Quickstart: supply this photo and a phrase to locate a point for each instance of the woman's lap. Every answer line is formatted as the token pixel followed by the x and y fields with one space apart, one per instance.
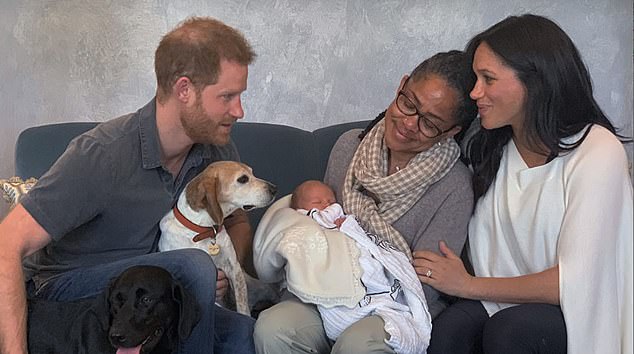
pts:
pixel 292 326
pixel 465 327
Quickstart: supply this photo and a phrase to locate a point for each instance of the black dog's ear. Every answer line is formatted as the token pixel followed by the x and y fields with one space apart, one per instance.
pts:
pixel 188 315
pixel 103 314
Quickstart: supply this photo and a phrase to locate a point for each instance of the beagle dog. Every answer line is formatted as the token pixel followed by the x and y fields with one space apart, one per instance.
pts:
pixel 196 219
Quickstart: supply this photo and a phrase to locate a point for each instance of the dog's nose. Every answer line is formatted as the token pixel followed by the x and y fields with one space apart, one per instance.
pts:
pixel 117 338
pixel 272 188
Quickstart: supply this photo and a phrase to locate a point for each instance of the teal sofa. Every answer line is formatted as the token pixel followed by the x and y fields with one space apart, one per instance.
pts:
pixel 284 155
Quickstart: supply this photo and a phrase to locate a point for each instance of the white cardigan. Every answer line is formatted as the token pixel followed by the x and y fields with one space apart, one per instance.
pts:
pixel 326 268
pixel 575 211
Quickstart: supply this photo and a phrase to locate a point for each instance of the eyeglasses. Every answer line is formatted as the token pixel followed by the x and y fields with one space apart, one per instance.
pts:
pixel 425 126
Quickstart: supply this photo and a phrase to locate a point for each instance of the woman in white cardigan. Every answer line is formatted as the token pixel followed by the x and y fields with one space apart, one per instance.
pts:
pixel 551 236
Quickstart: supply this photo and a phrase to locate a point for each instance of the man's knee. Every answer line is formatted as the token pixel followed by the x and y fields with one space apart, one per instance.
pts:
pixel 193 259
pixel 194 270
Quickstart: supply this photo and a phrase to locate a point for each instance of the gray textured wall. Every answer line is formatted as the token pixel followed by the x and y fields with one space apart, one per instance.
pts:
pixel 319 62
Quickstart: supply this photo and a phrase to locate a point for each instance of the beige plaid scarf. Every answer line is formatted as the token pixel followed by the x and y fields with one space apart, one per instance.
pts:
pixel 395 194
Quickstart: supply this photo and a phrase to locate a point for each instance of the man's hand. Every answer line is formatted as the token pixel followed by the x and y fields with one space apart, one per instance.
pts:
pixel 222 285
pixel 20 236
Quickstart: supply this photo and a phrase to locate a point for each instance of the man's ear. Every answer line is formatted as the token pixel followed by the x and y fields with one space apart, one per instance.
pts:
pixel 183 89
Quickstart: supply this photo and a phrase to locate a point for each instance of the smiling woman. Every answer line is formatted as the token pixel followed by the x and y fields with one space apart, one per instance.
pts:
pixel 405 184
pixel 410 130
pixel 425 122
pixel 551 235
pixel 499 92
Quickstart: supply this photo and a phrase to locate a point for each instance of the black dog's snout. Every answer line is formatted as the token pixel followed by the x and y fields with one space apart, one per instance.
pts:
pixel 117 338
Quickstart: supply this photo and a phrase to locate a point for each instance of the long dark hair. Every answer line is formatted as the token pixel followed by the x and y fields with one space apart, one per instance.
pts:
pixel 455 68
pixel 559 101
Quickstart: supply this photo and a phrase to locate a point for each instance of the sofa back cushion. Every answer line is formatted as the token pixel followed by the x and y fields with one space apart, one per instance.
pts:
pixel 326 138
pixel 283 155
pixel 37 148
pixel 280 154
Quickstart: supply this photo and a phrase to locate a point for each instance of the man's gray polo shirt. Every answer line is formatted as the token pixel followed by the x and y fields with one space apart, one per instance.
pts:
pixel 104 197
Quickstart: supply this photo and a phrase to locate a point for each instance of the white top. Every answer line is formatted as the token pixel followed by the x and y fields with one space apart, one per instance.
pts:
pixel 575 211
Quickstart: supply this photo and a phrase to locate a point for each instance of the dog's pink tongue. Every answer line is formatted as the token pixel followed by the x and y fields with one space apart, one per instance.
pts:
pixel 135 350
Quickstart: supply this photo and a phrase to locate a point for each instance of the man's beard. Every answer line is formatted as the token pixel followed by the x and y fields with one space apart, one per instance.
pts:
pixel 200 127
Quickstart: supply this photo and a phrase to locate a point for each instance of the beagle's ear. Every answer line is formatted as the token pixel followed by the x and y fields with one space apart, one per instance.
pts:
pixel 211 189
pixel 195 193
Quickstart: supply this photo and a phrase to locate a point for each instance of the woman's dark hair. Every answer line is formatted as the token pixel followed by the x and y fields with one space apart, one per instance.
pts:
pixel 558 103
pixel 455 68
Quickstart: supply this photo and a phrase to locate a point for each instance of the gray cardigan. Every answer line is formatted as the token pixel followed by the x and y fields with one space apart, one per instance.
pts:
pixel 442 213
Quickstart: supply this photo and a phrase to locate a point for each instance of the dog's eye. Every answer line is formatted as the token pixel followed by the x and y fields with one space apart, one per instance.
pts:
pixel 243 179
pixel 146 300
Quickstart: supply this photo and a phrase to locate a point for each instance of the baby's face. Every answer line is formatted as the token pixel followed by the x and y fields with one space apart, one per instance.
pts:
pixel 318 196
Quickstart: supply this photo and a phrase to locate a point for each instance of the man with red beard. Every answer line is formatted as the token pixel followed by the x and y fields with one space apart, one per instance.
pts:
pixel 96 211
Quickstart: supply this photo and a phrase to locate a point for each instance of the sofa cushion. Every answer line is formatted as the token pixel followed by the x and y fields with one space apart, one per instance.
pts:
pixel 282 155
pixel 326 138
pixel 37 148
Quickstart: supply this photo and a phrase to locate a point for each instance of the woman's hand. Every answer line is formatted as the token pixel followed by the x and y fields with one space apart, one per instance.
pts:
pixel 445 272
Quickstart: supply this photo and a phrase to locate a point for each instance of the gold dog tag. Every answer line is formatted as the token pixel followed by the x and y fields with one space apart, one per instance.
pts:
pixel 214 249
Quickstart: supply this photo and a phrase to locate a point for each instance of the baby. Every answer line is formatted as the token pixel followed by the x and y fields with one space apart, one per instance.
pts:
pixel 393 291
pixel 317 200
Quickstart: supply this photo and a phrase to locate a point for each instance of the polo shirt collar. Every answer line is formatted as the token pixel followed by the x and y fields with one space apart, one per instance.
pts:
pixel 148 136
pixel 150 145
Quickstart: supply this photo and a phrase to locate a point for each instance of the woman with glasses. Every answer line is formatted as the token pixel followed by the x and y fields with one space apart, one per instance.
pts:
pixel 551 236
pixel 404 181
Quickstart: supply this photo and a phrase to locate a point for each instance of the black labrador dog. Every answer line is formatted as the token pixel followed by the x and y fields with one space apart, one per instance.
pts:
pixel 144 310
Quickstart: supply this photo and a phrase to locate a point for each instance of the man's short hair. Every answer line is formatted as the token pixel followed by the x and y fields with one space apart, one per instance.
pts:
pixel 194 49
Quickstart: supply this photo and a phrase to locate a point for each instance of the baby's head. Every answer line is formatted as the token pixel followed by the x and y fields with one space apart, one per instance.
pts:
pixel 312 194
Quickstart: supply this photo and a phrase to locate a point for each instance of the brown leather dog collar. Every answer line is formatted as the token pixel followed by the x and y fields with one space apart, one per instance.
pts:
pixel 203 231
